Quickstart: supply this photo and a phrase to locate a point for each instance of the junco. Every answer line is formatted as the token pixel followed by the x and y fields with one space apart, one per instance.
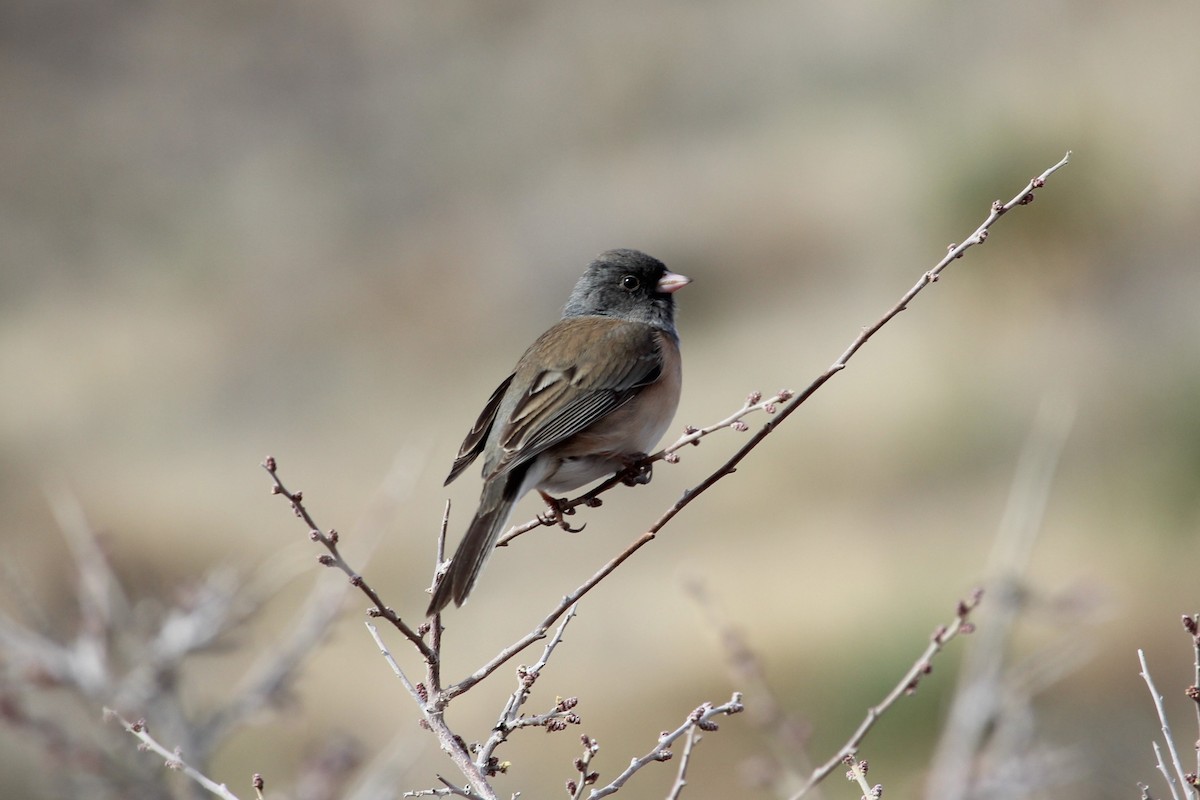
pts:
pixel 590 396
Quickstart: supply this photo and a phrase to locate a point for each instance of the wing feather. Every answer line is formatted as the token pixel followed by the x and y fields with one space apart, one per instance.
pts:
pixel 610 368
pixel 472 446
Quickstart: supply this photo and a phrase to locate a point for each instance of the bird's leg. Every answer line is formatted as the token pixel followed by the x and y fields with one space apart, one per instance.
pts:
pixel 636 470
pixel 558 510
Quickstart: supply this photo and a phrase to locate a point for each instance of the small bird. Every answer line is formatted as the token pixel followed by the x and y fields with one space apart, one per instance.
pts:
pixel 588 399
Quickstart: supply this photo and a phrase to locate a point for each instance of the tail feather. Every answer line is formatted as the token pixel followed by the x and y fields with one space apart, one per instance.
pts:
pixel 495 506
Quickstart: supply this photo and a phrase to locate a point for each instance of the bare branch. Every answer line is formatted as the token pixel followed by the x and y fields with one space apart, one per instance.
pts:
pixel 433 666
pixel 907 686
pixel 691 436
pixel 450 790
pixel 857 772
pixel 433 709
pixel 1191 624
pixel 395 665
pixel 1165 770
pixel 334 559
pixel 1186 784
pixel 444 792
pixel 526 676
pixel 174 760
pixel 543 627
pixel 684 760
pixel 587 777
pixel 454 746
pixel 702 718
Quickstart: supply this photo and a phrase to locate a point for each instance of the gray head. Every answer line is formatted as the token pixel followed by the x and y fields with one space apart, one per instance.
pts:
pixel 627 284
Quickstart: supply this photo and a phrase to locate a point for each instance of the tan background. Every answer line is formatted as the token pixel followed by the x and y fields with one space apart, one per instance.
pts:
pixel 325 231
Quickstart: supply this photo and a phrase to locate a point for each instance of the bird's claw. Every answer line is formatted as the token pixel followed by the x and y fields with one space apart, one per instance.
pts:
pixel 557 511
pixel 637 471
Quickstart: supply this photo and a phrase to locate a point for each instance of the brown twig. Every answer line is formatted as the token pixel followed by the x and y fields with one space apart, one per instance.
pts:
pixel 334 559
pixel 543 628
pixel 907 685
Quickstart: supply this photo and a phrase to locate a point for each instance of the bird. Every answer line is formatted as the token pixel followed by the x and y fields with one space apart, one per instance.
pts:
pixel 589 398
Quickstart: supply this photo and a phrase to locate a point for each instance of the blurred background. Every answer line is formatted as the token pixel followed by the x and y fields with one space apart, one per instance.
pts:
pixel 326 231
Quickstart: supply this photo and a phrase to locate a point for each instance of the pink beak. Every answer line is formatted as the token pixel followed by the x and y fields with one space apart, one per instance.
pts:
pixel 672 282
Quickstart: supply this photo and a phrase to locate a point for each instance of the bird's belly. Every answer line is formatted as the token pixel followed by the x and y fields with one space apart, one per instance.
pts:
pixel 606 446
pixel 571 472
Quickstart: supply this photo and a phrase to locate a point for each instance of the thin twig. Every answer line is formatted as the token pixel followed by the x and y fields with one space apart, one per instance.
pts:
pixel 543 628
pixel 907 685
pixel 173 759
pixel 684 759
pixel 433 666
pixel 391 662
pixel 458 791
pixel 509 720
pixel 701 718
pixel 448 790
pixel 691 436
pixel 1166 730
pixel 334 559
pixel 1166 772
pixel 1191 624
pixel 587 777
pixel 857 772
pixel 433 719
pixel 430 793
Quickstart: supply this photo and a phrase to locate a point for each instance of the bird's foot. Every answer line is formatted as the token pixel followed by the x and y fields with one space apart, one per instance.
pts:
pixel 637 470
pixel 557 511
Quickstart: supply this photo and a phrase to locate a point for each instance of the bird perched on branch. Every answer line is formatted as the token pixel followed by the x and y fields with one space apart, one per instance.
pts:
pixel 588 399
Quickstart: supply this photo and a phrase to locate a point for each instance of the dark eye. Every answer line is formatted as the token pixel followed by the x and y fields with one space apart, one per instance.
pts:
pixel 630 283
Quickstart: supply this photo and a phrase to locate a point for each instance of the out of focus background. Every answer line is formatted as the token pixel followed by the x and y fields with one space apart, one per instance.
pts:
pixel 326 231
